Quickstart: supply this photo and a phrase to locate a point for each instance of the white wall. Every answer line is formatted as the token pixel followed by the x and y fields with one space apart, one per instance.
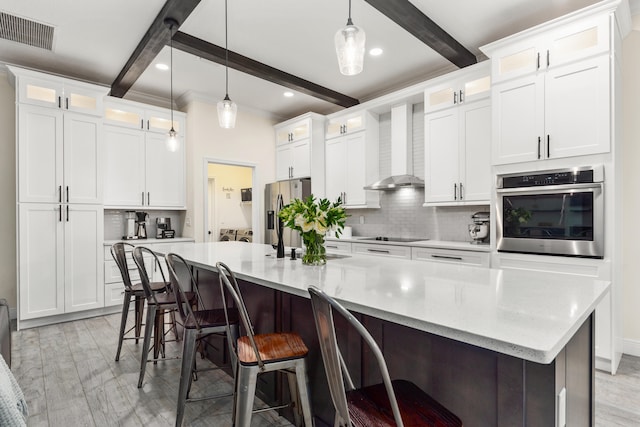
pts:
pixel 8 282
pixel 251 142
pixel 631 191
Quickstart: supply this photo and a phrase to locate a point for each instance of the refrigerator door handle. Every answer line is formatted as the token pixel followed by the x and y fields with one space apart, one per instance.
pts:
pixel 270 220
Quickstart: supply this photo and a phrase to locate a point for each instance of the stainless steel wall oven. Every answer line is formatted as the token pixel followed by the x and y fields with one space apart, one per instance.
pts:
pixel 556 212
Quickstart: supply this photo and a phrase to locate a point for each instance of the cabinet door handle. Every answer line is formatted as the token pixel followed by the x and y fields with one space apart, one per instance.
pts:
pixel 331 247
pixel 455 191
pixel 379 251
pixel 66 103
pixel 59 193
pixel 461 100
pixel 59 102
pixel 143 198
pixel 538 147
pixel 538 62
pixel 147 124
pixel 148 198
pixel 457 258
pixel 455 97
pixel 548 62
pixel 142 124
pixel 461 195
pixel 548 152
pixel 59 213
pixel 67 194
pixel 67 213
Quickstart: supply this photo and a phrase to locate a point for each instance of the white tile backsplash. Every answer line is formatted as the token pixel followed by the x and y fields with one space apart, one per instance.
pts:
pixel 401 213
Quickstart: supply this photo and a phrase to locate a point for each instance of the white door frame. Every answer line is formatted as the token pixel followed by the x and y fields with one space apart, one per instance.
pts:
pixel 256 196
pixel 211 193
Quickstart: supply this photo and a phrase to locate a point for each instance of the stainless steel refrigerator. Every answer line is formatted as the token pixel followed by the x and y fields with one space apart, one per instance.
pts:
pixel 288 190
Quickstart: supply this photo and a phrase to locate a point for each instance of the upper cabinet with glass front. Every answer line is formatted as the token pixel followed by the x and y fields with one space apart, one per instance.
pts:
pixel 543 48
pixel 346 124
pixel 467 85
pixel 57 92
pixel 124 113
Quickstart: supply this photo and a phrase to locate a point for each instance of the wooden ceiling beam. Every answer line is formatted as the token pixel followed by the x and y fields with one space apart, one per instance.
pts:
pixel 214 53
pixel 409 17
pixel 157 36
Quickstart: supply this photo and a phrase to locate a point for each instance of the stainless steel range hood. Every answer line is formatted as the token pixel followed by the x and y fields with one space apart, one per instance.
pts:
pixel 401 153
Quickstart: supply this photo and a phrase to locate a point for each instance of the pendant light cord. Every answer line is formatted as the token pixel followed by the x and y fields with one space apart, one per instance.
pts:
pixel 226 49
pixel 171 65
pixel 349 21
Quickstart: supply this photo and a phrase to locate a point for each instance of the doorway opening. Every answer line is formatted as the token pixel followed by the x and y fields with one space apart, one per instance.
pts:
pixel 230 204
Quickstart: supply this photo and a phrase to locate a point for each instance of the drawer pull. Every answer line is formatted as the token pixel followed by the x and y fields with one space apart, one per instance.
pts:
pixel 381 251
pixel 456 258
pixel 332 247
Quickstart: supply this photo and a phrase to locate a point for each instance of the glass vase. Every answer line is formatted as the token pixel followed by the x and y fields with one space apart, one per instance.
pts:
pixel 315 252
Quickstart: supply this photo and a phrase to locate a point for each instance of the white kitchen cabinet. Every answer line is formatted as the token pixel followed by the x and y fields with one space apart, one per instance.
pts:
pixel 352 163
pixel 58 93
pixel 140 171
pixel 60 259
pixel 551 93
pixel 560 113
pixel 549 45
pixel 391 251
pixel 334 246
pixel 458 88
pixel 452 256
pixel 134 115
pixel 59 156
pixel 300 150
pixel 348 123
pixel 457 154
pixel 293 160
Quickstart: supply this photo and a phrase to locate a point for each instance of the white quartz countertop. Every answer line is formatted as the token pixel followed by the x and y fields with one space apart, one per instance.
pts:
pixel 526 314
pixel 439 244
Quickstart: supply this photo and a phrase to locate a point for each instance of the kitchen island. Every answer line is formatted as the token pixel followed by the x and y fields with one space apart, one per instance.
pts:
pixel 498 347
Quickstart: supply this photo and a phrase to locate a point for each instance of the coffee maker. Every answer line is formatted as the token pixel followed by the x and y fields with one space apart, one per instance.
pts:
pixel 141 225
pixel 163 228
pixel 479 230
pixel 130 218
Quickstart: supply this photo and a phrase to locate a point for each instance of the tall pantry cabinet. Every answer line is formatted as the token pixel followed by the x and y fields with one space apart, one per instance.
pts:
pixel 59 194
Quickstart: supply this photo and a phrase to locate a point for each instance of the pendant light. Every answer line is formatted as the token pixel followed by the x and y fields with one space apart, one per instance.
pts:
pixel 227 109
pixel 350 47
pixel 173 144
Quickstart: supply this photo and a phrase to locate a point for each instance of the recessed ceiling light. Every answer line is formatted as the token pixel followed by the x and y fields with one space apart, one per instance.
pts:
pixel 163 67
pixel 376 51
pixel 288 94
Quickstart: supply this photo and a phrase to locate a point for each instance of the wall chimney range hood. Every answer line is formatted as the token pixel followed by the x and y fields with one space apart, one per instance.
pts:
pixel 401 153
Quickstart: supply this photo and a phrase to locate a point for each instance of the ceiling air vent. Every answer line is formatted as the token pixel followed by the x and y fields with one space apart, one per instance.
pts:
pixel 24 31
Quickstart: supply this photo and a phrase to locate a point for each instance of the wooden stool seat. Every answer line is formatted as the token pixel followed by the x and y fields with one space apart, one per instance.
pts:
pixel 369 406
pixel 137 289
pixel 170 299
pixel 272 348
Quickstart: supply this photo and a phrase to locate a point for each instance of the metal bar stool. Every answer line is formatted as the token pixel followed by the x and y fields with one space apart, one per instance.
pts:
pixel 257 354
pixel 157 305
pixel 397 402
pixel 197 324
pixel 119 253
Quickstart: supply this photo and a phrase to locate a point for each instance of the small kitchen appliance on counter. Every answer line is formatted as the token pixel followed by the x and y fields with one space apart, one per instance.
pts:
pixel 163 229
pixel 479 230
pixel 130 219
pixel 141 225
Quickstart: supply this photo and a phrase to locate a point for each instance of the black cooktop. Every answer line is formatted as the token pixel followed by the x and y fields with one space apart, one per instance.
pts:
pixel 394 239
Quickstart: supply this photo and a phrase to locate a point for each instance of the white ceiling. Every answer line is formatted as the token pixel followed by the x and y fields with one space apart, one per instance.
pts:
pixel 94 39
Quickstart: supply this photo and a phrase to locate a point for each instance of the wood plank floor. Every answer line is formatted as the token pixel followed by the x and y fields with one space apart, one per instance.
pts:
pixel 69 377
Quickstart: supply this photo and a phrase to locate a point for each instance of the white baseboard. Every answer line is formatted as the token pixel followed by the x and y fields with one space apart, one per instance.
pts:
pixel 631 347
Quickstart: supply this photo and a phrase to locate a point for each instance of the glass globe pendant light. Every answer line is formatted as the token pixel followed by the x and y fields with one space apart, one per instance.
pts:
pixel 173 144
pixel 227 109
pixel 349 42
